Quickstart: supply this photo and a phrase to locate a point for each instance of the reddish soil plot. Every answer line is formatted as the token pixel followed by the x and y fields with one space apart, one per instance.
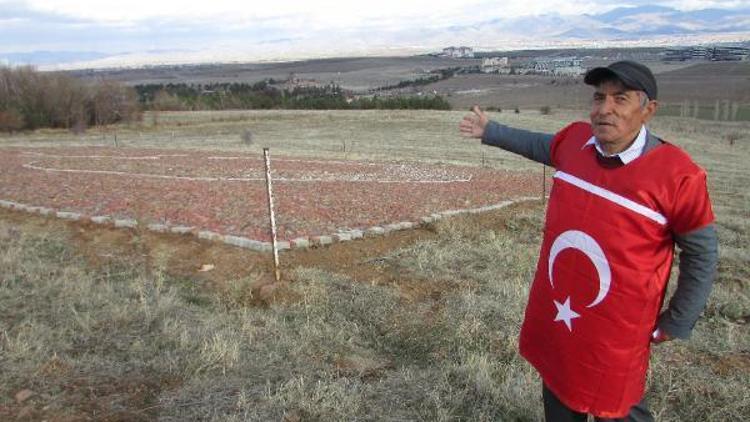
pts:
pixel 225 192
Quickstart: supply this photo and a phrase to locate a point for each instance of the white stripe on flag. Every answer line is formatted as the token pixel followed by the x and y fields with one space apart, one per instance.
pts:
pixel 611 196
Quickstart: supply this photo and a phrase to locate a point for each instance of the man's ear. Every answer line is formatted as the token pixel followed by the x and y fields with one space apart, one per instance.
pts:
pixel 650 110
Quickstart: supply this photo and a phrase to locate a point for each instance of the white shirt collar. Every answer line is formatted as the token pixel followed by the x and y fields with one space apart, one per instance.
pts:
pixel 634 150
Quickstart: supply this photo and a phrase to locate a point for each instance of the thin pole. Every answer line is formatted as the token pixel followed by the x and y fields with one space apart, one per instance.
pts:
pixel 267 159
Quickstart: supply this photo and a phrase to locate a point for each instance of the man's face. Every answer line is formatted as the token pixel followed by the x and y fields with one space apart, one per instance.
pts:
pixel 617 114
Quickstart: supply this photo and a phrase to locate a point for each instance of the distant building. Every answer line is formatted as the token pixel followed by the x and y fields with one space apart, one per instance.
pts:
pixel 730 53
pixel 459 52
pixel 569 66
pixel 294 81
pixel 677 54
pixel 495 65
pixel 725 53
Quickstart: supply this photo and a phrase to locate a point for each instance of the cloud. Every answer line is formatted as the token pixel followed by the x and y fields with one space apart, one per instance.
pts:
pixel 16 11
pixel 278 27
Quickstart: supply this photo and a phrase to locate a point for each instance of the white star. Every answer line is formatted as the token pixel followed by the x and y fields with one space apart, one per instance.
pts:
pixel 564 313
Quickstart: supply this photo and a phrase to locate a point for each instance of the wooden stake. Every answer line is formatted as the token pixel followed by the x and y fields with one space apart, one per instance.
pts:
pixel 267 159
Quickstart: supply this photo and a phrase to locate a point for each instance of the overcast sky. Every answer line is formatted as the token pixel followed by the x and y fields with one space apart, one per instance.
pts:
pixel 155 25
pixel 327 12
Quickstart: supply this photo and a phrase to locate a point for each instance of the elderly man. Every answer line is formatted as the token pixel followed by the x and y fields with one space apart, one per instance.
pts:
pixel 621 199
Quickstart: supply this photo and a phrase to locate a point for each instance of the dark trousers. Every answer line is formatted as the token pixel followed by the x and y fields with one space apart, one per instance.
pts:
pixel 556 411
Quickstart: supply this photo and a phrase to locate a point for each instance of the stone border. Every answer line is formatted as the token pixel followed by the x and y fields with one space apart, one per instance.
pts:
pixel 256 245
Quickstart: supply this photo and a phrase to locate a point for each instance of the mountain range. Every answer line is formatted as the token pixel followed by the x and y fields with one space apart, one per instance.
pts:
pixel 648 25
pixel 625 23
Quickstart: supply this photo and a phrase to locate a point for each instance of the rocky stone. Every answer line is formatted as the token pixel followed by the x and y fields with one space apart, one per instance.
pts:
pixel 181 230
pixel 244 242
pixel 126 223
pixel 450 213
pixel 392 227
pixel 321 240
pixel 406 225
pixel 101 219
pixel 265 247
pixel 209 235
pixel 356 234
pixel 343 237
pixel 158 228
pixel 235 240
pixel 72 216
pixel 300 243
pixel 375 231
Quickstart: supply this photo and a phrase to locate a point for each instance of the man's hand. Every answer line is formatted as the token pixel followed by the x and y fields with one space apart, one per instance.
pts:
pixel 472 126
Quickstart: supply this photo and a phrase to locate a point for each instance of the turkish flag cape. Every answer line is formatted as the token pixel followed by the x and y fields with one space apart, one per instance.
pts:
pixel 603 269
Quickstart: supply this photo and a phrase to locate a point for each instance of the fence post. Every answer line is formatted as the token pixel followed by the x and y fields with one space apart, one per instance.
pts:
pixel 269 189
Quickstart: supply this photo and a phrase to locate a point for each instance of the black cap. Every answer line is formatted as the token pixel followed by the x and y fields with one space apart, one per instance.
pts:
pixel 633 75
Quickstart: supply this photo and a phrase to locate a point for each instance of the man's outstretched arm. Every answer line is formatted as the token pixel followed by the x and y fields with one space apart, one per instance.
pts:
pixel 532 145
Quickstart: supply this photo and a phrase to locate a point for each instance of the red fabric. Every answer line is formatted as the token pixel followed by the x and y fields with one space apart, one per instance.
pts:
pixel 599 364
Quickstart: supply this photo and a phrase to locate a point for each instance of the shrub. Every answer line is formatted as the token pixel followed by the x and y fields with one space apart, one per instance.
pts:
pixel 545 110
pixel 30 99
pixel 11 121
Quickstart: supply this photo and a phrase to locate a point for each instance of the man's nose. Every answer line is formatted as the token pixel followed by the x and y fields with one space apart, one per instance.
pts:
pixel 605 106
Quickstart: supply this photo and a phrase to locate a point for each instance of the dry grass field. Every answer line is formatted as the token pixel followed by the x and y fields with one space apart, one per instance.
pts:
pixel 357 73
pixel 697 81
pixel 702 82
pixel 99 324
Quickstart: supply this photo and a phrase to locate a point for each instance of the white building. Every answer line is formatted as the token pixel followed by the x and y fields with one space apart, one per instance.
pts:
pixel 569 66
pixel 495 65
pixel 459 52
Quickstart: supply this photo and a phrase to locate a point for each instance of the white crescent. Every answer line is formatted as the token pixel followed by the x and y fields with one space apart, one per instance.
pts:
pixel 583 242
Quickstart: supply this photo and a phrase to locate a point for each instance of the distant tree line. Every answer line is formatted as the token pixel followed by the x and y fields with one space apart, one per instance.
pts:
pixel 436 76
pixel 30 99
pixel 269 95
